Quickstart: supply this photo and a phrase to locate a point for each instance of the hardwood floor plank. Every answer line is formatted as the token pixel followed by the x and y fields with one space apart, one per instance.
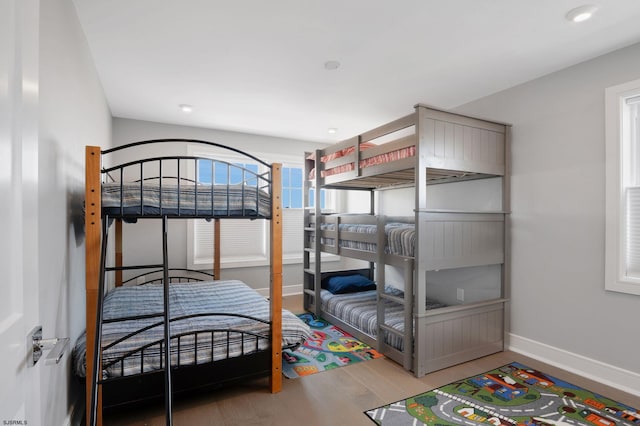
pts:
pixel 334 397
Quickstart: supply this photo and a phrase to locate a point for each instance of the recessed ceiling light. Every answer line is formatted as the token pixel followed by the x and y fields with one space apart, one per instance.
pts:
pixel 331 65
pixel 582 13
pixel 186 108
pixel 332 130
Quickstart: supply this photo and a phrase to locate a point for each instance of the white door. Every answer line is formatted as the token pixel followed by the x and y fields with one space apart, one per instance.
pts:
pixel 19 301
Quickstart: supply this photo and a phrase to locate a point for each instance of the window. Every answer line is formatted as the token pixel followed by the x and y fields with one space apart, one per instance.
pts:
pixel 235 234
pixel 324 198
pixel 291 187
pixel 292 195
pixel 224 173
pixel 622 262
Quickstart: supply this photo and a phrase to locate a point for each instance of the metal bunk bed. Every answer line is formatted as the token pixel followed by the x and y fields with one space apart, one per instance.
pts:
pixel 146 189
pixel 427 147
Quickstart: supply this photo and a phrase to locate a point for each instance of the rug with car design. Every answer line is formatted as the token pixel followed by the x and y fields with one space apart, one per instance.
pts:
pixel 329 348
pixel 510 395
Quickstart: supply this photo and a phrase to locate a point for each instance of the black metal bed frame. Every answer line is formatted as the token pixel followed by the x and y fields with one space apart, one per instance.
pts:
pixel 130 389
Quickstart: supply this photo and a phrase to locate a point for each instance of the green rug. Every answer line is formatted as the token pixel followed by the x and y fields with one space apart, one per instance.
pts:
pixel 510 395
pixel 329 348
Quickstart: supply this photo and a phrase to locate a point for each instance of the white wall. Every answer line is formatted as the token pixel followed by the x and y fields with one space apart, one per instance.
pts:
pixel 138 238
pixel 559 306
pixel 73 113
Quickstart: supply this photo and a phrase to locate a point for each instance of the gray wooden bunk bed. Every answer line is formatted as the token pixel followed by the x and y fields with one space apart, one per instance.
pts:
pixel 427 147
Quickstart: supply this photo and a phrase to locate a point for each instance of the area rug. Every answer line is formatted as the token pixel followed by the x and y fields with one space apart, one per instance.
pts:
pixel 328 348
pixel 510 395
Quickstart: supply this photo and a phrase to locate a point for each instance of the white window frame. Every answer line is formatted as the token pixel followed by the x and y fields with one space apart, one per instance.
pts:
pixel 296 233
pixel 618 170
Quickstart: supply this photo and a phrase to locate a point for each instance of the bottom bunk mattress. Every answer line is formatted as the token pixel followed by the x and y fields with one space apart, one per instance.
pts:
pixel 360 310
pixel 243 330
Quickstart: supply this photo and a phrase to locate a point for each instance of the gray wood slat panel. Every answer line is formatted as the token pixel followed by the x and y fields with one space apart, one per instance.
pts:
pixel 460 147
pixel 436 114
pixel 458 141
pixel 462 242
pixel 439 139
pixel 463 335
pixel 449 140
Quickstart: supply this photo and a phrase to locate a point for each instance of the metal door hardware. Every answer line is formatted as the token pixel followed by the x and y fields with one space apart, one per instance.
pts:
pixel 36 345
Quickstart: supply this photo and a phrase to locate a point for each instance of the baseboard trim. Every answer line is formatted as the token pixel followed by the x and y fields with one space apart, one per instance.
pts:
pixel 616 377
pixel 287 290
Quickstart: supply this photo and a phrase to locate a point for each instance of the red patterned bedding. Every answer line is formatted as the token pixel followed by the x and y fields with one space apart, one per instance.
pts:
pixel 386 157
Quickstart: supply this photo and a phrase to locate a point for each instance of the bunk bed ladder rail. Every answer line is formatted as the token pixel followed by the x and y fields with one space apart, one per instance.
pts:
pixel 168 389
pixel 407 303
pixel 166 347
pixel 97 364
pixel 383 297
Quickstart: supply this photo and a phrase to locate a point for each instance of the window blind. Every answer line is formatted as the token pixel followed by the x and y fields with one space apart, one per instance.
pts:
pixel 622 172
pixel 241 241
pixel 292 233
pixel 633 232
pixel 632 195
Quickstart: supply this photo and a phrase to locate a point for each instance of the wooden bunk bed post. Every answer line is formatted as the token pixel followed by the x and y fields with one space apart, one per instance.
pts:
pixel 92 257
pixel 312 249
pixel 408 314
pixel 380 279
pixel 317 278
pixel 276 278
pixel 357 160
pixel 420 281
pixel 506 207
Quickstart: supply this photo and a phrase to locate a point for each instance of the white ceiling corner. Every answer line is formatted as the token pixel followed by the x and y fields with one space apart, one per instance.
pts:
pixel 258 66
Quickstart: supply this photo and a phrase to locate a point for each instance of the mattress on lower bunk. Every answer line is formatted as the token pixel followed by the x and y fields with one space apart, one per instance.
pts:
pixel 360 310
pixel 184 199
pixel 401 237
pixel 185 298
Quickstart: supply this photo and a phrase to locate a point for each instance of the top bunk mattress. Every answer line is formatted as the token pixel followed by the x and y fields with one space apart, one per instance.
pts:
pixel 196 298
pixel 154 178
pixel 387 157
pixel 189 200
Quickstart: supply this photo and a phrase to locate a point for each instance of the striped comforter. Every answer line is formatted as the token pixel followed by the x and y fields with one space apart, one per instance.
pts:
pixel 186 298
pixel 386 157
pixel 401 237
pixel 228 200
pixel 360 311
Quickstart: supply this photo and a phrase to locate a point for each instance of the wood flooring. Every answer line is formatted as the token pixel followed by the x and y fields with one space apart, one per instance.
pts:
pixel 335 397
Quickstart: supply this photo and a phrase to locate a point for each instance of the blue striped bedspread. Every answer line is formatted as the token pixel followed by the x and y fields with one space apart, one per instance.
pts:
pixel 228 200
pixel 186 298
pixel 401 237
pixel 360 311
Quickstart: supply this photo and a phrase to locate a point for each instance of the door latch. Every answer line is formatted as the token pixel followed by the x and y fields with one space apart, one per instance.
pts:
pixel 36 345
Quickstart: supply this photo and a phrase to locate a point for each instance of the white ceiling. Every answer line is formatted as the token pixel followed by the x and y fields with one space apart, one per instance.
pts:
pixel 257 66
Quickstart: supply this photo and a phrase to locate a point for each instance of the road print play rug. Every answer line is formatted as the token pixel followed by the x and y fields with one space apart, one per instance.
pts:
pixel 510 395
pixel 328 348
